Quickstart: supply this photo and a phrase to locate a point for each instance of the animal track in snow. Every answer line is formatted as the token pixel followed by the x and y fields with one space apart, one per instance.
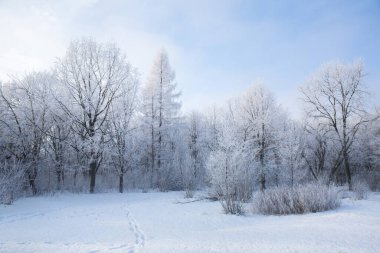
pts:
pixel 135 229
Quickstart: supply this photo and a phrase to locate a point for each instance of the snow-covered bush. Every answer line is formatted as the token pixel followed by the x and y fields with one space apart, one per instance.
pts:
pixel 232 203
pixel 373 180
pixel 296 200
pixel 227 178
pixel 228 183
pixel 10 182
pixel 189 193
pixel 360 189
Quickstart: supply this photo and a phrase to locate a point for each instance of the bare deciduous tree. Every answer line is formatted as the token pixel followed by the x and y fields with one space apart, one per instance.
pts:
pixel 92 74
pixel 334 97
pixel 24 116
pixel 260 112
pixel 123 148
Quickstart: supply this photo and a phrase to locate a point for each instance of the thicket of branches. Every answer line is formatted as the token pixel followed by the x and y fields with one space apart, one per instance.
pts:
pixel 91 124
pixel 308 198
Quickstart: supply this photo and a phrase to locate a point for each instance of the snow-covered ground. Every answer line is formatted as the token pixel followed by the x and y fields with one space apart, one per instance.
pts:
pixel 163 222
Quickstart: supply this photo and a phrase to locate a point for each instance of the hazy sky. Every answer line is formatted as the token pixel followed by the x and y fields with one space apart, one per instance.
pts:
pixel 217 48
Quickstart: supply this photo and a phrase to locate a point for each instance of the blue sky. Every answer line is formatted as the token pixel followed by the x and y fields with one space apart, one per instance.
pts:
pixel 218 48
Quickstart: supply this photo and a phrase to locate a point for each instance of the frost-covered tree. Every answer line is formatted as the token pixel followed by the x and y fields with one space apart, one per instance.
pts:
pixel 92 74
pixel 291 146
pixel 160 109
pixel 24 121
pixel 197 151
pixel 334 96
pixel 123 144
pixel 58 133
pixel 315 152
pixel 227 166
pixel 261 116
pixel 11 177
pixel 247 146
pixel 366 162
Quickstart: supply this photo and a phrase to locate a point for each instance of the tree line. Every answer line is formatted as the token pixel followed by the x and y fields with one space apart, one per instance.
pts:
pixel 90 123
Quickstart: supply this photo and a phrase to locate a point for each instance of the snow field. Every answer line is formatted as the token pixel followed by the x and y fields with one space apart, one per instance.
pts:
pixel 67 223
pixel 164 222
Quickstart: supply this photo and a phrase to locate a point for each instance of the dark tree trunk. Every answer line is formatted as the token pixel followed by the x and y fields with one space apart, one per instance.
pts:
pixel 121 183
pixel 60 176
pixel 262 182
pixel 32 174
pixel 153 154
pixel 262 155
pixel 292 176
pixel 92 176
pixel 33 185
pixel 335 167
pixel 347 170
pixel 75 178
pixel 59 180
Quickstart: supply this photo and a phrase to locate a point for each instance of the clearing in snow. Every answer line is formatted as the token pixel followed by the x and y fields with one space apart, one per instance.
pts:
pixel 165 222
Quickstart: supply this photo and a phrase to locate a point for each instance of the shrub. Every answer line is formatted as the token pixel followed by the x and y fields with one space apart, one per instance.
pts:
pixel 189 193
pixel 296 200
pixel 360 189
pixel 374 181
pixel 11 179
pixel 232 201
pixel 232 205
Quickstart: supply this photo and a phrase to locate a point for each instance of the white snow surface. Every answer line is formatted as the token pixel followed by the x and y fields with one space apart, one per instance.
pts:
pixel 164 222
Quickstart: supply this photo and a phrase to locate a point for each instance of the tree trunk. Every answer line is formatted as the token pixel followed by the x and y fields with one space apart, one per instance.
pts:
pixel 335 167
pixel 262 182
pixel 292 175
pixel 60 176
pixel 262 154
pixel 92 176
pixel 121 183
pixel 33 185
pixel 32 174
pixel 153 154
pixel 347 170
pixel 59 180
